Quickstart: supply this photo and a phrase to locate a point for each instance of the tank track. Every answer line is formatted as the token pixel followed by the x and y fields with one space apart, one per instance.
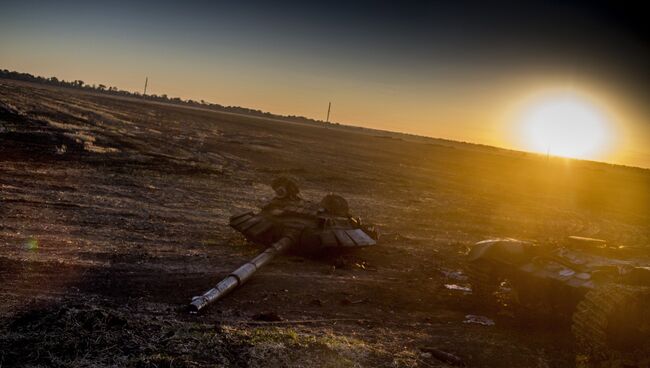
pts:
pixel 591 325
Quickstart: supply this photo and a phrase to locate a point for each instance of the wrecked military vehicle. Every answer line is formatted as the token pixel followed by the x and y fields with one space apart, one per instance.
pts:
pixel 289 222
pixel 603 290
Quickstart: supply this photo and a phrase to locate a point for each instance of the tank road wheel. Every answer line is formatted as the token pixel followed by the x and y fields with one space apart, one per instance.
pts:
pixel 612 326
pixel 484 280
pixel 285 188
pixel 335 205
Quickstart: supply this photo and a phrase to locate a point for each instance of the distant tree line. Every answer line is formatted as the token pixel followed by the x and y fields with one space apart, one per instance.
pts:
pixel 79 84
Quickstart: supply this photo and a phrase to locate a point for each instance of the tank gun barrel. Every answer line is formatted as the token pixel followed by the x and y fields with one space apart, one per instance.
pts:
pixel 243 273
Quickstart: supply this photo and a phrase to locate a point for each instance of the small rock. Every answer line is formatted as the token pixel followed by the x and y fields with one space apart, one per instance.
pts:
pixel 443 356
pixel 316 302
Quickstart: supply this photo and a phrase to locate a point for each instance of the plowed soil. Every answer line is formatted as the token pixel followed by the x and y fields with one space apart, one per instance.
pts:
pixel 114 213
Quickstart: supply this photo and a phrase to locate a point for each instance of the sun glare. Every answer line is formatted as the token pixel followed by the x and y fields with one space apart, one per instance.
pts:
pixel 566 125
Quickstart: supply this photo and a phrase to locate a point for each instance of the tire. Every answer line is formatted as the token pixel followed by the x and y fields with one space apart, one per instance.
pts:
pixel 611 326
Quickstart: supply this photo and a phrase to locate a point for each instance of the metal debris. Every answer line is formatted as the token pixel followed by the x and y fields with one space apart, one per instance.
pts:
pixel 466 289
pixel 479 320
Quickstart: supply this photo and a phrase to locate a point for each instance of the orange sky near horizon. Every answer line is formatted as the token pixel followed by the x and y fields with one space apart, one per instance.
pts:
pixel 479 105
pixel 470 116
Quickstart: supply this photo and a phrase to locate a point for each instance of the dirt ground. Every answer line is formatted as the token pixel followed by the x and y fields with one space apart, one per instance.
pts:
pixel 114 213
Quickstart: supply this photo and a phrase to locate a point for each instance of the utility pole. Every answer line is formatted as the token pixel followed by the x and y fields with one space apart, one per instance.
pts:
pixel 329 107
pixel 146 80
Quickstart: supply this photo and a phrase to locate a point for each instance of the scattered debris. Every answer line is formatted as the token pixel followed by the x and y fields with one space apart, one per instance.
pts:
pixel 480 320
pixel 567 272
pixel 458 287
pixel 454 274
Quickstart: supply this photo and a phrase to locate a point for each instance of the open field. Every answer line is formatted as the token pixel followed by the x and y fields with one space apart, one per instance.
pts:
pixel 113 214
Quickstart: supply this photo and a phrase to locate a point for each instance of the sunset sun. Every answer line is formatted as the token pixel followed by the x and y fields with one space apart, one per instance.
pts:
pixel 567 125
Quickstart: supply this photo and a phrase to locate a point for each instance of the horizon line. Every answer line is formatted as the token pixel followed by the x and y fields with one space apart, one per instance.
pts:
pixel 188 102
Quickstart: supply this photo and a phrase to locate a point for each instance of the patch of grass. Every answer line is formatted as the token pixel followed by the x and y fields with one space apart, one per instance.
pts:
pixel 73 334
pixel 288 347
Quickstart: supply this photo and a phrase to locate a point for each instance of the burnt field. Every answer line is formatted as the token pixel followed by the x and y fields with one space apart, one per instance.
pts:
pixel 114 213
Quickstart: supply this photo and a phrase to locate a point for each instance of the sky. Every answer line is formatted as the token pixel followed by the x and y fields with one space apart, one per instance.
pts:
pixel 458 70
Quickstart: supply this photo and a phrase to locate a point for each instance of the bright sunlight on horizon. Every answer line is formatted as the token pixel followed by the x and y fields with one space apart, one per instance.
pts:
pixel 443 70
pixel 566 124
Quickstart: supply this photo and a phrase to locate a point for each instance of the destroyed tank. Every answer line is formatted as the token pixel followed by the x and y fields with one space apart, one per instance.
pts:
pixel 603 291
pixel 290 223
